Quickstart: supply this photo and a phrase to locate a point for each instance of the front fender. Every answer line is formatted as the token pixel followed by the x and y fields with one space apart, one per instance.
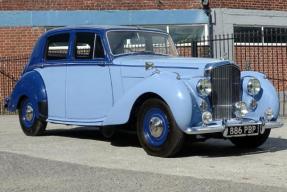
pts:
pixel 267 98
pixel 173 91
pixel 30 85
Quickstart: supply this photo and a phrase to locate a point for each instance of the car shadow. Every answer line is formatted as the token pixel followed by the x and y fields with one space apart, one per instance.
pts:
pixel 224 148
pixel 211 148
pixel 121 138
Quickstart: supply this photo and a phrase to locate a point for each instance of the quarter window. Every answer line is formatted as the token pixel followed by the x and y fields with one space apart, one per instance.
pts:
pixel 57 47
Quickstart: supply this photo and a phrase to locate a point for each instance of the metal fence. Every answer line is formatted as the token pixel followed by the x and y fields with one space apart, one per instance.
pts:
pixel 264 52
pixel 256 51
pixel 10 70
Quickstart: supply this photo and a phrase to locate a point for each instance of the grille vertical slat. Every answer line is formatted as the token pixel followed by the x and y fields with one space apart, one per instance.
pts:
pixel 225 82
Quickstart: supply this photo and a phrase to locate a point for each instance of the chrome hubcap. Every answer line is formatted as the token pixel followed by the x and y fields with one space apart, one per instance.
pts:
pixel 29 113
pixel 156 127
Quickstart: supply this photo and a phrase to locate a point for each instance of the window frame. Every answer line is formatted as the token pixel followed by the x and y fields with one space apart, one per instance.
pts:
pixel 138 30
pixel 47 46
pixel 263 42
pixel 96 34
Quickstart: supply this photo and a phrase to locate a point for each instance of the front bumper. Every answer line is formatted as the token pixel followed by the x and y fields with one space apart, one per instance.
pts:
pixel 219 126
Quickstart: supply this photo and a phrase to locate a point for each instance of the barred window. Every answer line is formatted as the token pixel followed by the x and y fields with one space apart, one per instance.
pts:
pixel 260 34
pixel 275 35
pixel 247 34
pixel 57 47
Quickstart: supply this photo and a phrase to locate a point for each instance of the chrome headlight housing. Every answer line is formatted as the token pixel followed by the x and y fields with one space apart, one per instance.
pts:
pixel 204 87
pixel 253 86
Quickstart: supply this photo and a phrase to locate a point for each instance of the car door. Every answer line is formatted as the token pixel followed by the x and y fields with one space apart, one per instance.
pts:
pixel 88 86
pixel 53 72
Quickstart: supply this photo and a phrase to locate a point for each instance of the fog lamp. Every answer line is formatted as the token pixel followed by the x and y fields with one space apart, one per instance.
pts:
pixel 206 117
pixel 240 109
pixel 269 114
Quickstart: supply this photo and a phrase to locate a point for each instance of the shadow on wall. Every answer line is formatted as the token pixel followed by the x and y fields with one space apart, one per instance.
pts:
pixel 211 148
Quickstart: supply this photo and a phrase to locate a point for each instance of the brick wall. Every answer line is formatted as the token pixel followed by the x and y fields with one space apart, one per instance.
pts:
pixel 136 4
pixel 97 5
pixel 18 40
pixel 279 5
pixel 271 60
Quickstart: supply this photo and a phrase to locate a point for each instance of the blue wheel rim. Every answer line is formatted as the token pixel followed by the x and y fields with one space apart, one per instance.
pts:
pixel 149 136
pixel 27 119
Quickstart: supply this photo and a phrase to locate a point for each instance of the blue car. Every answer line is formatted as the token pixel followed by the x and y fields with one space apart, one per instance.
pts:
pixel 111 77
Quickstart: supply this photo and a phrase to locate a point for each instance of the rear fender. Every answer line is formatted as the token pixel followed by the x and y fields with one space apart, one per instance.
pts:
pixel 30 85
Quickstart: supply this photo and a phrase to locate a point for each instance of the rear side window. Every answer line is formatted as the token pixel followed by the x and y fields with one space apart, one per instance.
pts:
pixel 57 47
pixel 88 46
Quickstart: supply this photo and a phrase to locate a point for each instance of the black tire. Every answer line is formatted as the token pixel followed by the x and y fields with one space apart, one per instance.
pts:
pixel 251 141
pixel 35 126
pixel 170 140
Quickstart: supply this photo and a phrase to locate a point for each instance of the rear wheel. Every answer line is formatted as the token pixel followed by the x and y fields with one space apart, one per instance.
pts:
pixel 30 123
pixel 251 141
pixel 157 130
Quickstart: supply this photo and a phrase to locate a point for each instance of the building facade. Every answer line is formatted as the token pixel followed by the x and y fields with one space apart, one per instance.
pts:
pixel 22 22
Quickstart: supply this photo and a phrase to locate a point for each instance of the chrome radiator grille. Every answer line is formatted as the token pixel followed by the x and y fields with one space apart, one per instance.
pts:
pixel 225 82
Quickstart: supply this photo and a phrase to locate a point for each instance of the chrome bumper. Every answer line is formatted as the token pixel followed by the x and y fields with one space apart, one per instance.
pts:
pixel 219 126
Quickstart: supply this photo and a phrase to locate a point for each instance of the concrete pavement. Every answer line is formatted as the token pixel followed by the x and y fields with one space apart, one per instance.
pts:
pixel 78 159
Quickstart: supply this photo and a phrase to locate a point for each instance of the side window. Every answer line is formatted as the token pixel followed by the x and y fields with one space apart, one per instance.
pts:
pixel 88 46
pixel 84 45
pixel 57 47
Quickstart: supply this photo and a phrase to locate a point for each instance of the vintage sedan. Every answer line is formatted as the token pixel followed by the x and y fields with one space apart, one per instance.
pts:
pixel 106 77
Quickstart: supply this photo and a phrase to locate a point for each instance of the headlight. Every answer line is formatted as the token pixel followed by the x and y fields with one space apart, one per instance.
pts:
pixel 204 87
pixel 253 86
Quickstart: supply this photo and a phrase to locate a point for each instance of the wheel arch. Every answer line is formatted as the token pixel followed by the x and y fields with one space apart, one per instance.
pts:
pixel 139 101
pixel 30 85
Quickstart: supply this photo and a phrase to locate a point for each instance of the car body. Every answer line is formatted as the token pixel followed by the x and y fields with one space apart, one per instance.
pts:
pixel 104 76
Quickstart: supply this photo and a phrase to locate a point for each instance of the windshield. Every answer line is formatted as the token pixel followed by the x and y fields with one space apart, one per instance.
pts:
pixel 141 42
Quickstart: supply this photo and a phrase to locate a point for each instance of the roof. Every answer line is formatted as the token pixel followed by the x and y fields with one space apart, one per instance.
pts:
pixel 101 28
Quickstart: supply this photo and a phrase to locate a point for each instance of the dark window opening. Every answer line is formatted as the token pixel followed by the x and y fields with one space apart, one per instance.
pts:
pixel 57 47
pixel 275 35
pixel 260 34
pixel 247 34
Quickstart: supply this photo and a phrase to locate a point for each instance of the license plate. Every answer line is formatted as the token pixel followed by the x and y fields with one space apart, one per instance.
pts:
pixel 240 131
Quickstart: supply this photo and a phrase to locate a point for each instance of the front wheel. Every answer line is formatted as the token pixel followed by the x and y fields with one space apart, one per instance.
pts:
pixel 30 123
pixel 157 130
pixel 251 141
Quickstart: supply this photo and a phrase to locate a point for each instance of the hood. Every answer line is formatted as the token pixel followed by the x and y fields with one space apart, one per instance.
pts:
pixel 183 65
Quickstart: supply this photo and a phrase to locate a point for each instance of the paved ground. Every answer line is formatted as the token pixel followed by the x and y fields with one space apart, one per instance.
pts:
pixel 74 159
